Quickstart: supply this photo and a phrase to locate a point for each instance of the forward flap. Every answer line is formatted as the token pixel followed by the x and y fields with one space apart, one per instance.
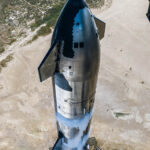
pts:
pixel 101 27
pixel 48 65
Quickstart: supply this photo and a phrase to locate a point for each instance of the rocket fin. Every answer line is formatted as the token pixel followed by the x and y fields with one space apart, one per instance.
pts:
pixel 48 64
pixel 101 27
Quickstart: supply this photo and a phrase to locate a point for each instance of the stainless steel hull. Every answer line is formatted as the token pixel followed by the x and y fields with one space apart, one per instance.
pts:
pixel 74 107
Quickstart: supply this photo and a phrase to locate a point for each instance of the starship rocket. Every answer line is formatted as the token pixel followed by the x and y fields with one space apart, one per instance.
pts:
pixel 73 63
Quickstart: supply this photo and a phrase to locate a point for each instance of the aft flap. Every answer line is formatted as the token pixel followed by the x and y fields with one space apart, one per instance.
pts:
pixel 101 27
pixel 48 65
pixel 58 144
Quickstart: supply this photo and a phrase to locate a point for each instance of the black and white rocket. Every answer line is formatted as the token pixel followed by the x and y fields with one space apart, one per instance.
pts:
pixel 73 63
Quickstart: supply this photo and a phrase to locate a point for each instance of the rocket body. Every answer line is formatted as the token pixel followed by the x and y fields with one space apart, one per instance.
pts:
pixel 80 70
pixel 73 62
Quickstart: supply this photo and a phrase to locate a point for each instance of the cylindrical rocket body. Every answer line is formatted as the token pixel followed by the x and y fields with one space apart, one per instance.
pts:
pixel 74 101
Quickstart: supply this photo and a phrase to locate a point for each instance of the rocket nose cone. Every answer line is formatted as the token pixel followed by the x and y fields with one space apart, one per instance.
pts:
pixel 77 2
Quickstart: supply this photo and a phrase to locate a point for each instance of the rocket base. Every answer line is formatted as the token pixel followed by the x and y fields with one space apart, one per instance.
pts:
pixel 91 145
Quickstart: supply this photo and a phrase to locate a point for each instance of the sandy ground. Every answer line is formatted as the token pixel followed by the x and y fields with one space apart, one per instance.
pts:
pixel 122 116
